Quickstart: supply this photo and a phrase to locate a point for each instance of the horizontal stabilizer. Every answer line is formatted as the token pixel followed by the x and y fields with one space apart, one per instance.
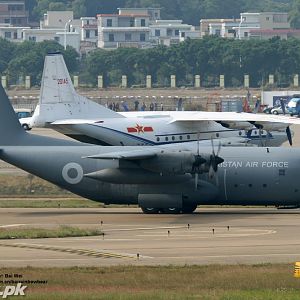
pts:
pixel 75 121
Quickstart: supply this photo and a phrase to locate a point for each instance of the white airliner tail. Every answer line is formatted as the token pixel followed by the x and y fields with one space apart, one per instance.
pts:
pixel 60 101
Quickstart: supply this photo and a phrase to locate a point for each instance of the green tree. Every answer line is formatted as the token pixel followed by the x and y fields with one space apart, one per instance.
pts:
pixel 57 6
pixel 79 8
pixel 6 54
pixel 294 16
pixel 29 56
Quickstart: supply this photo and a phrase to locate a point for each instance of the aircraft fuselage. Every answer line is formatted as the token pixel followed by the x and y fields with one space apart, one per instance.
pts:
pixel 248 176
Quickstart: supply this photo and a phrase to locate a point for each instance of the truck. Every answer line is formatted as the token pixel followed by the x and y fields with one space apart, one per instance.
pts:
pixel 293 106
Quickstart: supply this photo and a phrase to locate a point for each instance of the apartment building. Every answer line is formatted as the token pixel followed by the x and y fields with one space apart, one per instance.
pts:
pixel 219 27
pixel 13 13
pixel 264 25
pixel 123 30
pixel 168 32
pixel 12 33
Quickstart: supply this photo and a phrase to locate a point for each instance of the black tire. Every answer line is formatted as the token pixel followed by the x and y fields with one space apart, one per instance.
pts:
pixel 150 210
pixel 26 127
pixel 189 209
pixel 171 210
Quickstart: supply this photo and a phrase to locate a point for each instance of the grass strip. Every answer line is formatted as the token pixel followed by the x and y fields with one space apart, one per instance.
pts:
pixel 36 233
pixel 49 203
pixel 266 281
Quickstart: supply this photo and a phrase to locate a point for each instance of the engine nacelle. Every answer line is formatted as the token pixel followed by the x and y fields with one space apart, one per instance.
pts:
pixel 243 125
pixel 175 163
pixel 271 126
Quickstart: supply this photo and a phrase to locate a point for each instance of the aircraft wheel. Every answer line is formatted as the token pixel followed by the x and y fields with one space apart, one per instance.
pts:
pixel 171 210
pixel 150 210
pixel 189 209
pixel 26 127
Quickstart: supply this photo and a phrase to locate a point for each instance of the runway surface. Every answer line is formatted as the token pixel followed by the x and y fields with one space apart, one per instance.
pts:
pixel 254 235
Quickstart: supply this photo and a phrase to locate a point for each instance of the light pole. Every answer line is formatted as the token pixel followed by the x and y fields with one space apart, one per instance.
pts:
pixel 65 36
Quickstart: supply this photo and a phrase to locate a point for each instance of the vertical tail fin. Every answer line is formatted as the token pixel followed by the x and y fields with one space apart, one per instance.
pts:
pixel 11 132
pixel 10 127
pixel 60 101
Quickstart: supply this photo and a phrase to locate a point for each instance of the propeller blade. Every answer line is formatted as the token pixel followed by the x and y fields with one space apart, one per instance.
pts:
pixel 198 143
pixel 211 172
pixel 219 148
pixel 260 137
pixel 196 181
pixel 212 146
pixel 289 135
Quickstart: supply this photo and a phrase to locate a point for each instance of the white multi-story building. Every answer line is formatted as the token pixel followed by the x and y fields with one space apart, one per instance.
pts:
pixel 153 13
pixel 122 30
pixel 89 29
pixel 88 34
pixel 11 33
pixel 56 19
pixel 56 25
pixel 142 28
pixel 252 24
pixel 219 27
pixel 61 36
pixel 190 34
pixel 167 32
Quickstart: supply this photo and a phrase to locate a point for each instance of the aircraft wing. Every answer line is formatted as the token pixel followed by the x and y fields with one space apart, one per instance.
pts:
pixel 127 155
pixel 153 151
pixel 233 118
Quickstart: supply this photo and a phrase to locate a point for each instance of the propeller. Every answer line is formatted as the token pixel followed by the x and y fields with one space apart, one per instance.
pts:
pixel 214 161
pixel 211 163
pixel 199 160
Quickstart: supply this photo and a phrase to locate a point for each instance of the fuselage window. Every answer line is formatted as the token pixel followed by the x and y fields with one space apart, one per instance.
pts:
pixel 188 137
pixel 281 172
pixel 166 138
pixel 173 138
pixel 240 133
pixel 180 137
pixel 158 139
pixel 217 134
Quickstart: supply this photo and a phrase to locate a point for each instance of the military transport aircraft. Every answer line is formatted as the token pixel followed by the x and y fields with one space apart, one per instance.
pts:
pixel 166 178
pixel 64 110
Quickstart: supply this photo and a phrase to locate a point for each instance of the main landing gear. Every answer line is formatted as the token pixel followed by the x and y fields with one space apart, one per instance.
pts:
pixel 186 209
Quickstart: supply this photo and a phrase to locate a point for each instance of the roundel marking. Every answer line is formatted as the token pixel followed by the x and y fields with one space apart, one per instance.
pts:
pixel 72 173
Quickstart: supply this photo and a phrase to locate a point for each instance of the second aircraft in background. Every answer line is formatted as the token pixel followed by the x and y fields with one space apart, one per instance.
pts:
pixel 63 109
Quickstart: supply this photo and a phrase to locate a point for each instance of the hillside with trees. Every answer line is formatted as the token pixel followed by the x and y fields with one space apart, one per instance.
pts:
pixel 190 11
pixel 208 57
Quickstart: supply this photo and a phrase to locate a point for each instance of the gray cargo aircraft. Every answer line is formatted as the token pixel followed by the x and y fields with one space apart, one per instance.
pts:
pixel 170 178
